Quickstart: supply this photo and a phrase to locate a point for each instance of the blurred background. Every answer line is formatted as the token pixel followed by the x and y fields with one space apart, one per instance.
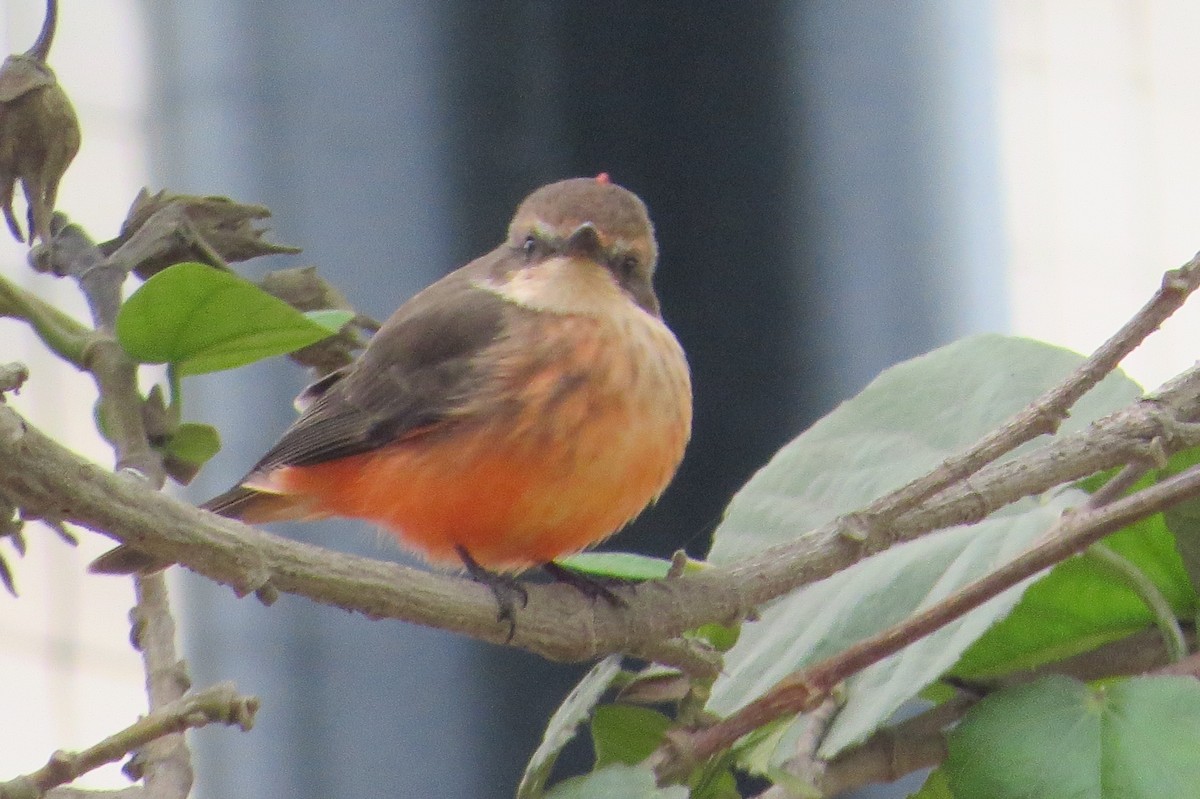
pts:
pixel 836 186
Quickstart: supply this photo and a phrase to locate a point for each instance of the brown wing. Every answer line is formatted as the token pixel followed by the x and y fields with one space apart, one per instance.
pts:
pixel 420 366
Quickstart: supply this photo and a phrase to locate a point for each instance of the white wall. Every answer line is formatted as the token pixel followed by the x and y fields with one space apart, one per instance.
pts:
pixel 1100 151
pixel 70 675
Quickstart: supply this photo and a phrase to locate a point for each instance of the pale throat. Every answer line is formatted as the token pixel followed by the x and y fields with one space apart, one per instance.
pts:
pixel 563 285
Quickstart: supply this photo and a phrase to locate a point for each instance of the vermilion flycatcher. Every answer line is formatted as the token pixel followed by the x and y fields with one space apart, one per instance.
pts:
pixel 523 407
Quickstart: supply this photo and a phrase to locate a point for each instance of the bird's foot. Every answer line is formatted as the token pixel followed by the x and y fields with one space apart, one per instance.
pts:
pixel 505 588
pixel 593 587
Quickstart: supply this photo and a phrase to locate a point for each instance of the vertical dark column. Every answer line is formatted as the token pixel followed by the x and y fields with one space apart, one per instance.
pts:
pixel 686 109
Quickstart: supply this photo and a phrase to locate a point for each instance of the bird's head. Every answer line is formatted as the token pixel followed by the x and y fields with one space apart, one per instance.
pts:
pixel 565 230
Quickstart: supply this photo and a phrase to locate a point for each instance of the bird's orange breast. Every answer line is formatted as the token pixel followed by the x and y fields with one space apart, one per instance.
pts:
pixel 582 423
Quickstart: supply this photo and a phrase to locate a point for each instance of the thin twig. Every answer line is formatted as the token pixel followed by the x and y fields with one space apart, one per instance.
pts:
pixel 1047 412
pixel 892 752
pixel 220 704
pixel 12 377
pixel 804 769
pixel 1188 667
pixel 1138 582
pixel 918 742
pixel 165 763
pixel 1117 486
pixel 59 331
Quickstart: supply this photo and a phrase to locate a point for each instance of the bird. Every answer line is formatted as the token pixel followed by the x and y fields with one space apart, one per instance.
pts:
pixel 520 409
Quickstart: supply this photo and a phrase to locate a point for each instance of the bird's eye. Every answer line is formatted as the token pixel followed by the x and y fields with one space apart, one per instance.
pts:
pixel 530 246
pixel 627 266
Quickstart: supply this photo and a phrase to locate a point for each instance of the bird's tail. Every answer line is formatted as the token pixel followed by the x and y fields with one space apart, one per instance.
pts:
pixel 244 504
pixel 253 506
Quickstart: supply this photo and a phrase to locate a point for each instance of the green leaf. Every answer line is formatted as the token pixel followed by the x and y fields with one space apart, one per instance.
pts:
pixel 610 782
pixel 1184 519
pixel 1081 604
pixel 202 320
pixel 564 723
pixel 621 565
pixel 626 733
pixel 1057 737
pixel 937 786
pixel 762 752
pixel 857 602
pixel 332 319
pixel 909 420
pixel 721 637
pixel 194 443
pixel 713 781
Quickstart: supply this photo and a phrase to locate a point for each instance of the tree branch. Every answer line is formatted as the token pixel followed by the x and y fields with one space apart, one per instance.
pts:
pixel 1047 412
pixel 218 704
pixel 560 625
pixel 165 763
pixel 47 480
pixel 804 689
pixel 59 331
pixel 919 742
pixel 167 681
pixel 1146 431
pixel 893 752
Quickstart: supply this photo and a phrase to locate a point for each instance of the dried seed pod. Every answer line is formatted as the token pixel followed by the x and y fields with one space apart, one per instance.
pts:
pixel 163 229
pixel 39 132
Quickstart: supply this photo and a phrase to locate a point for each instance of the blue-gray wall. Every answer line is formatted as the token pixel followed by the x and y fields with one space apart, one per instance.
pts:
pixel 822 176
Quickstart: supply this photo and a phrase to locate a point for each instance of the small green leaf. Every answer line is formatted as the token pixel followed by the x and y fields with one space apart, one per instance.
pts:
pixel 621 565
pixel 332 319
pixel 99 418
pixel 564 724
pixel 202 320
pixel 763 751
pixel 616 781
pixel 194 443
pixel 626 733
pixel 1057 737
pixel 1183 520
pixel 936 786
pixel 722 637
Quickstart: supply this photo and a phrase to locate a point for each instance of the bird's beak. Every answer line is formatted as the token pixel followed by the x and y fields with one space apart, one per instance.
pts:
pixel 584 240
